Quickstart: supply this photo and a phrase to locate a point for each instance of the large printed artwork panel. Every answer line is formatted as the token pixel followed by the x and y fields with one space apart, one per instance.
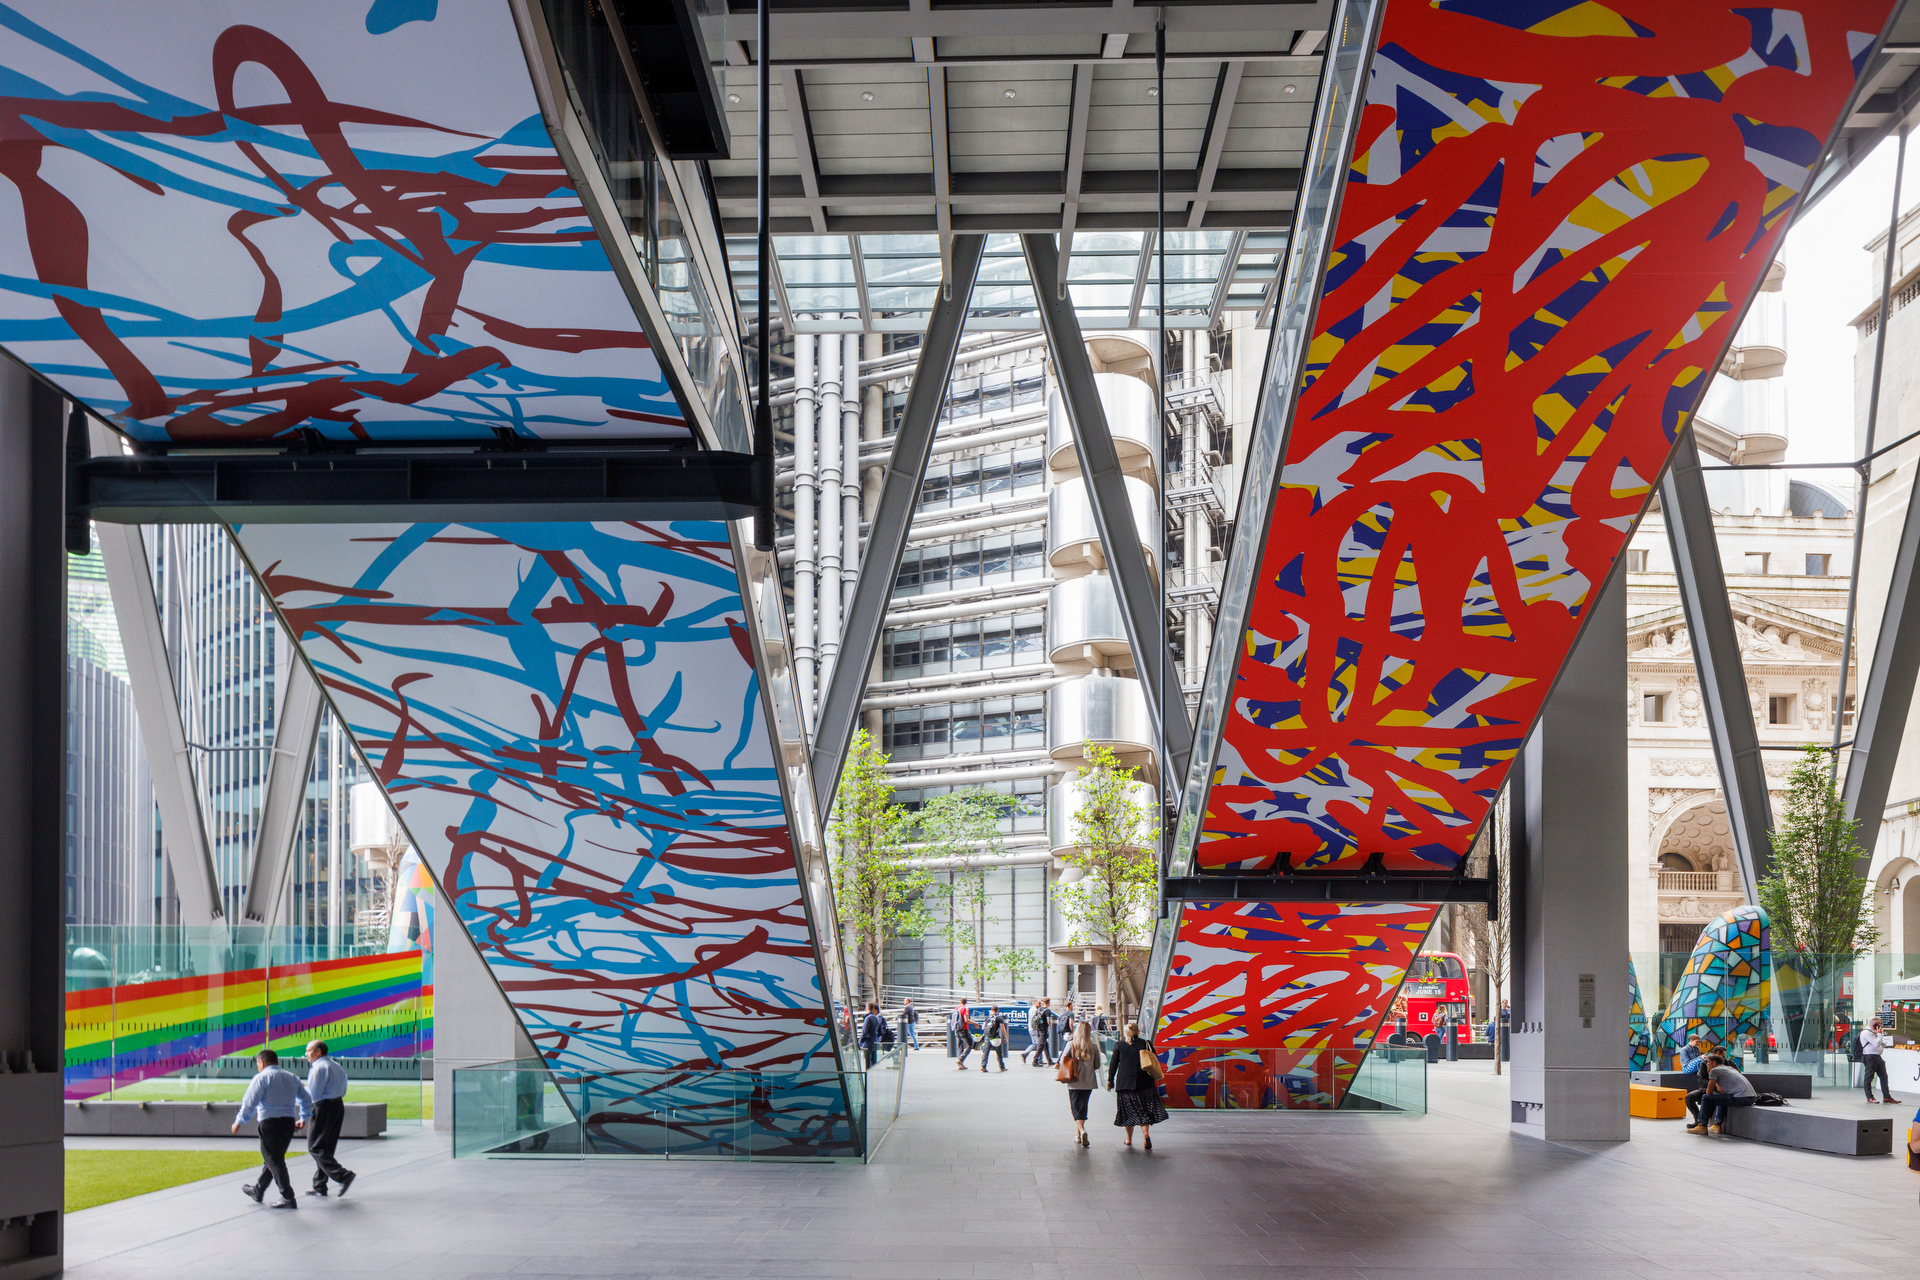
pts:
pixel 568 720
pixel 1553 213
pixel 233 223
pixel 1275 1004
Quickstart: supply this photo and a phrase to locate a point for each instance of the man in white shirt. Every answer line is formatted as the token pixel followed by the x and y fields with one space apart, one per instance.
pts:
pixel 281 1104
pixel 1873 1047
pixel 327 1083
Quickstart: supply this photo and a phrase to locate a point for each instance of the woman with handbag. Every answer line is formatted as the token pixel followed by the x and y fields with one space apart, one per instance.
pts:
pixel 1079 1070
pixel 1134 1076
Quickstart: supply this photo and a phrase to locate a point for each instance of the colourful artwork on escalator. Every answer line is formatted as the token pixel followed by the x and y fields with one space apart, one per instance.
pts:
pixel 1275 1004
pixel 1554 214
pixel 307 224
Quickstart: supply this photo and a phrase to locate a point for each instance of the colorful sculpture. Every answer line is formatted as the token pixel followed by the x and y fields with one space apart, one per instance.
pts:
pixel 1726 988
pixel 1639 1046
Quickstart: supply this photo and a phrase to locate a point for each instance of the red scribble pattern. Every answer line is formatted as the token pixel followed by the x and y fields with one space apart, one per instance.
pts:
pixel 1280 1000
pixel 1552 216
pixel 324 349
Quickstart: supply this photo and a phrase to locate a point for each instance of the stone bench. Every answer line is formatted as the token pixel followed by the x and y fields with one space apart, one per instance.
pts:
pixel 1786 1084
pixel 1811 1130
pixel 197 1120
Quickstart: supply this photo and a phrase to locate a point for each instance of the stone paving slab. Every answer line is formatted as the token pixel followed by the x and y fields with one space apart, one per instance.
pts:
pixel 981 1181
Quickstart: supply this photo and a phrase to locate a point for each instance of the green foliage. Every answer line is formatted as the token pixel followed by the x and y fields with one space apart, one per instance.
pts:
pixel 1107 905
pixel 878 895
pixel 1817 902
pixel 965 827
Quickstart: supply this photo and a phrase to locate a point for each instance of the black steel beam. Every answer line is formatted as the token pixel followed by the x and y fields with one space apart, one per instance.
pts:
pixel 388 487
pixel 1327 889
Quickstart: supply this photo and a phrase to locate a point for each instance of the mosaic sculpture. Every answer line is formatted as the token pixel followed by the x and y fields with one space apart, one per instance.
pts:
pixel 1639 1046
pixel 1279 1002
pixel 567 719
pixel 225 232
pixel 1726 987
pixel 1553 216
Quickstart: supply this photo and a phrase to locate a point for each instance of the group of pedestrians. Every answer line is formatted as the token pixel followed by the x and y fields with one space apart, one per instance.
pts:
pixel 283 1105
pixel 1132 1077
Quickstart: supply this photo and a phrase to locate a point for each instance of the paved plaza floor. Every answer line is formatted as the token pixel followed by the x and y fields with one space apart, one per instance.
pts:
pixel 980 1180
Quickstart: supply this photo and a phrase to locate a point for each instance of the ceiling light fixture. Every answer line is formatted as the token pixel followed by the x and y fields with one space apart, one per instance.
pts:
pixel 1153 93
pixel 1290 88
pixel 866 95
pixel 1008 93
pixel 733 98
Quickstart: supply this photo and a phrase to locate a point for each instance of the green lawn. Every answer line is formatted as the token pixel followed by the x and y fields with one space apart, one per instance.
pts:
pixel 101 1177
pixel 406 1100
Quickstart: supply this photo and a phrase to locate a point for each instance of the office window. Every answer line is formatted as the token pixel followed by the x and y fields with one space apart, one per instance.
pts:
pixel 1653 708
pixel 1780 709
pixel 971 645
pixel 1817 565
pixel 1756 562
pixel 1636 561
pixel 957 728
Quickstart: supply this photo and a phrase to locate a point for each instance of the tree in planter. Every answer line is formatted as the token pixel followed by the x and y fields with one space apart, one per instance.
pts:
pixel 880 896
pixel 1107 906
pixel 1489 937
pixel 964 827
pixel 1816 902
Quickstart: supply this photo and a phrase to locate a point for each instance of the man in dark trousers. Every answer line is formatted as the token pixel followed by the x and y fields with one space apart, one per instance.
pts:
pixel 873 1028
pixel 281 1104
pixel 327 1086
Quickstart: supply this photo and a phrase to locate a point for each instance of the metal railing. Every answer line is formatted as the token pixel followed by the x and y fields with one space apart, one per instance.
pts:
pixel 1696 882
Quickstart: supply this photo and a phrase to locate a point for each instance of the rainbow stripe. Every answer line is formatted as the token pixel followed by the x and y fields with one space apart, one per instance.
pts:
pixel 364 1007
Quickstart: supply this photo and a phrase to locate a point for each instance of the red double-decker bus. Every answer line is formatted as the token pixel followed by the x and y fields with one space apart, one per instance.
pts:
pixel 1436 987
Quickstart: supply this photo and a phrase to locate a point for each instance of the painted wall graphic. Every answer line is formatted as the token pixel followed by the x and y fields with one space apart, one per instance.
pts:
pixel 1553 212
pixel 1639 1045
pixel 1726 987
pixel 1274 1004
pixel 567 719
pixel 364 1007
pixel 216 230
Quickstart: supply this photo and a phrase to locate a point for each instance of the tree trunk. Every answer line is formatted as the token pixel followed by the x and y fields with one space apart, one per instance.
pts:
pixel 1498 987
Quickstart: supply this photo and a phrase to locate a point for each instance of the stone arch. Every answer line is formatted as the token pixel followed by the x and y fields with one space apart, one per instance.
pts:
pixel 1700 834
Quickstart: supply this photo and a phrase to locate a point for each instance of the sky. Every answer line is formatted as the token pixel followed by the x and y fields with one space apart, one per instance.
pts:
pixel 1828 282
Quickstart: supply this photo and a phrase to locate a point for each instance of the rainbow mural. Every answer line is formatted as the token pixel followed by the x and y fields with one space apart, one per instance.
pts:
pixel 363 1007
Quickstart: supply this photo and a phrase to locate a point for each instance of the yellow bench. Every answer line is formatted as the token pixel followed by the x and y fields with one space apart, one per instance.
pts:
pixel 1652 1103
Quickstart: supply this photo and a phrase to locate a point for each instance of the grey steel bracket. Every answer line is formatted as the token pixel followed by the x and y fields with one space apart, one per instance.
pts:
pixel 892 518
pixel 1716 656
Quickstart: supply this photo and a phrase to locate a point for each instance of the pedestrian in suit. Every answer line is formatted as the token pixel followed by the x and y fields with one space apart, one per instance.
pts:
pixel 327 1086
pixel 873 1029
pixel 281 1104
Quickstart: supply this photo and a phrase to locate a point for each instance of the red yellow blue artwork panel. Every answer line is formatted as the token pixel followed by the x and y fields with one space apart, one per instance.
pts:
pixel 1274 1004
pixel 1552 217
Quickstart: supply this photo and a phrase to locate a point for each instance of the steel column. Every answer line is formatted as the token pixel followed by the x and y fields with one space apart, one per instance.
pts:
pixel 284 791
pixel 887 536
pixel 1112 516
pixel 156 701
pixel 1716 656
pixel 1886 688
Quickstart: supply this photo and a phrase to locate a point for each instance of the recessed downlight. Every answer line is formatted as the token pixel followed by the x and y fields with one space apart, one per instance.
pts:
pixel 866 95
pixel 735 98
pixel 1008 93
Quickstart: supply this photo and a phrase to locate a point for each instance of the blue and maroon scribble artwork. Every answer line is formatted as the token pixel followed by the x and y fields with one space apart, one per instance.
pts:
pixel 568 720
pixel 227 232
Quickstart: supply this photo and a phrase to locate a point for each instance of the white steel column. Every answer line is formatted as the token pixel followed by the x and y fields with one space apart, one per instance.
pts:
pixel 850 473
pixel 831 398
pixel 284 791
pixel 336 840
pixel 803 527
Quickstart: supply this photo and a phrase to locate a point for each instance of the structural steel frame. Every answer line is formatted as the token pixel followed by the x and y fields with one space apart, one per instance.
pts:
pixel 892 519
pixel 1716 656
pixel 1133 581
pixel 284 792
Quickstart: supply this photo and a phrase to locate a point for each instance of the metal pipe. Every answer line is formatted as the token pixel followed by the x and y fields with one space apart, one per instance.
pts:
pixel 929 682
pixel 974 609
pixel 763 529
pixel 849 479
pixel 827 584
pixel 926 697
pixel 1866 461
pixel 961 778
pixel 804 595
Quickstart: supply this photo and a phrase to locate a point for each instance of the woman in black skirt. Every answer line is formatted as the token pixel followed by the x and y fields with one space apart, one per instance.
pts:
pixel 1136 1094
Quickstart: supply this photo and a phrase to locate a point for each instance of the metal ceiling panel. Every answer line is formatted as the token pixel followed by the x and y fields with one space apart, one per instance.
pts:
pixel 327 219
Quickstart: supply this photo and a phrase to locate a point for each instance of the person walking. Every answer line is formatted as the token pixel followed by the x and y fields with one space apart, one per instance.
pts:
pixel 281 1104
pixel 1080 1072
pixel 995 1040
pixel 910 1024
pixel 873 1029
pixel 961 1020
pixel 1043 1054
pixel 327 1086
pixel 1873 1062
pixel 1136 1092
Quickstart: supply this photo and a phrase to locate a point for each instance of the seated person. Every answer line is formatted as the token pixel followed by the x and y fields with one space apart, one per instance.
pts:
pixel 1726 1089
pixel 1693 1056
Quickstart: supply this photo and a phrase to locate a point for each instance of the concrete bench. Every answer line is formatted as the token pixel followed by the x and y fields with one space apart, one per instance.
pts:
pixel 1813 1130
pixel 197 1120
pixel 1787 1085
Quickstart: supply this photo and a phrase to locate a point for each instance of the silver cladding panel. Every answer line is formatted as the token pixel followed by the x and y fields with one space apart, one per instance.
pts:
pixel 1128 403
pixel 1085 610
pixel 1109 711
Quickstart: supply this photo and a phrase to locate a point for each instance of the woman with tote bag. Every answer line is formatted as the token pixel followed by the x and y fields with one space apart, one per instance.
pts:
pixel 1134 1076
pixel 1080 1071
